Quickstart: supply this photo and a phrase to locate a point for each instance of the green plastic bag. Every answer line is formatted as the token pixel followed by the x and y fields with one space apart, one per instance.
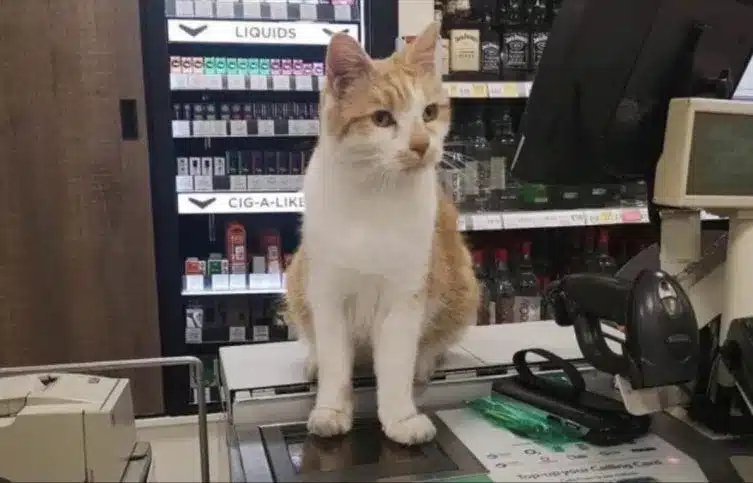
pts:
pixel 526 421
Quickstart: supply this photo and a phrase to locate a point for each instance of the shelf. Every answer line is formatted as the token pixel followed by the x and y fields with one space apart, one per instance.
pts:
pixel 488 90
pixel 233 284
pixel 242 129
pixel 245 82
pixel 230 31
pixel 256 10
pixel 255 334
pixel 521 220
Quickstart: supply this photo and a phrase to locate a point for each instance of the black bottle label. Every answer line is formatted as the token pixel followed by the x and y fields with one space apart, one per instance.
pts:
pixel 490 56
pixel 516 50
pixel 539 43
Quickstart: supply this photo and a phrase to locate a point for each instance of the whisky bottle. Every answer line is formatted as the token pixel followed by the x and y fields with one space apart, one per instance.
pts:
pixel 490 40
pixel 538 19
pixel 465 38
pixel 516 45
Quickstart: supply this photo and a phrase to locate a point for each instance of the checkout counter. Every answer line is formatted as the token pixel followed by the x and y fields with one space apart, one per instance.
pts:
pixel 269 400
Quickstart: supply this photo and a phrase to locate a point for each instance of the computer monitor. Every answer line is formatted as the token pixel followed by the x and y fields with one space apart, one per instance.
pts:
pixel 706 160
pixel 597 110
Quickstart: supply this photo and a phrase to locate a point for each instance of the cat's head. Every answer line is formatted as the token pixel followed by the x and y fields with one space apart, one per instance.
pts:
pixel 389 115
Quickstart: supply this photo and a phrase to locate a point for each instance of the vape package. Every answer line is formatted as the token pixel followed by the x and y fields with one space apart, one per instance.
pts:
pixel 206 166
pixel 258 264
pixel 186 64
pixel 182 168
pixel 210 65
pixel 219 166
pixel 194 166
pixel 175 65
pixel 287 67
pixel 275 67
pixel 199 113
pixel 308 68
pixel 225 111
pixel 318 68
pixel 253 66
pixel 272 248
pixel 210 112
pixel 297 67
pixel 220 65
pixel 193 266
pixel 243 66
pixel 194 317
pixel 214 264
pixel 235 237
pixel 198 65
pixel 265 67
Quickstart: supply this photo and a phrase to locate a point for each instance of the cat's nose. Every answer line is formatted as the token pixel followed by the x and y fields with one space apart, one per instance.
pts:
pixel 419 144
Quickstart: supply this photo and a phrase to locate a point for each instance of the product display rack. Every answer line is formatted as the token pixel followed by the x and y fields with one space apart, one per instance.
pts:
pixel 227 80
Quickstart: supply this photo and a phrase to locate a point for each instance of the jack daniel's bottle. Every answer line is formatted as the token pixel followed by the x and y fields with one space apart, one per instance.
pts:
pixel 539 20
pixel 516 46
pixel 465 37
pixel 490 40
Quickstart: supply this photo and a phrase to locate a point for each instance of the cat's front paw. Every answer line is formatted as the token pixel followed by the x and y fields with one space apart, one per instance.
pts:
pixel 326 422
pixel 417 429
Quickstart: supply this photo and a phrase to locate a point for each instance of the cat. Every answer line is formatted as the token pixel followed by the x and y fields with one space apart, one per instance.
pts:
pixel 382 274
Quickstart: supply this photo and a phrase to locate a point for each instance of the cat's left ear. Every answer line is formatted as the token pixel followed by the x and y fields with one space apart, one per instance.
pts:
pixel 422 52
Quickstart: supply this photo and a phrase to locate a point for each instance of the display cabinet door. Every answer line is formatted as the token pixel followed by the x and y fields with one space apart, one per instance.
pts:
pixel 77 273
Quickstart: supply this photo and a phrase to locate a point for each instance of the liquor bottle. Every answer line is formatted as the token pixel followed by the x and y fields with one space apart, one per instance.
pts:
pixel 601 261
pixel 491 61
pixel 528 297
pixel 556 6
pixel 502 147
pixel 479 157
pixel 451 173
pixel 465 37
pixel 503 292
pixel 539 32
pixel 478 267
pixel 516 46
pixel 576 264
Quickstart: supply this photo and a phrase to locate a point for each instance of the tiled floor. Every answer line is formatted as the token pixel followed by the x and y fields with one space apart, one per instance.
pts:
pixel 175 448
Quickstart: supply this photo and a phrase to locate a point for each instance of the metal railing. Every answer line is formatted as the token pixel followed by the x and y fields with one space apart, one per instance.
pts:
pixel 190 361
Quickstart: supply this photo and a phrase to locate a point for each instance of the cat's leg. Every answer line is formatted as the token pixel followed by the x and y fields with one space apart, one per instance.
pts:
pixel 395 350
pixel 429 358
pixel 333 412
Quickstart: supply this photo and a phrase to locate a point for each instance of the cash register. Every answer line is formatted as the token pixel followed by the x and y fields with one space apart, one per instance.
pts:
pixel 645 89
pixel 69 427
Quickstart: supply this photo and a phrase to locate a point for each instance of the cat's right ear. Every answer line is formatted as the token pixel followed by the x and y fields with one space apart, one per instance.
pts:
pixel 346 62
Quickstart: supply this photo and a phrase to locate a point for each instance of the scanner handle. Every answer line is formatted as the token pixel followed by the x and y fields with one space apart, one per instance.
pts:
pixel 593 344
pixel 525 375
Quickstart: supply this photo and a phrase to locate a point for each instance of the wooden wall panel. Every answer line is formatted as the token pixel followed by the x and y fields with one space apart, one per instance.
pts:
pixel 77 274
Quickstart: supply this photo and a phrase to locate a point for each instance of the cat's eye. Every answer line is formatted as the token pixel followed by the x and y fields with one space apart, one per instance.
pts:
pixel 383 118
pixel 431 112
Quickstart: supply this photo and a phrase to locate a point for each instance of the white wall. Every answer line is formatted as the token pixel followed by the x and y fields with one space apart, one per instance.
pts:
pixel 413 15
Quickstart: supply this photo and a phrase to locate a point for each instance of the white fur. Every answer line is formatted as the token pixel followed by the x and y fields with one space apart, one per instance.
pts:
pixel 368 232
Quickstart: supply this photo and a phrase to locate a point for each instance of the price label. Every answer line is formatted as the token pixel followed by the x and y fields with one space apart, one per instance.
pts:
pixel 308 12
pixel 479 90
pixel 203 8
pixel 487 221
pixel 251 9
pixel 238 281
pixel 258 82
pixel 184 8
pixel 194 81
pixel 304 83
pixel 213 82
pixel 645 218
pixel 261 333
pixel 219 128
pixel 520 221
pixel 312 127
pixel 181 129
pixel 194 283
pixel 193 336
pixel 630 216
pixel 237 334
pixel 265 127
pixel 527 88
pixel 577 218
pixel 461 223
pixel 238 128
pixel 236 82
pixel 220 281
pixel 278 11
pixel 342 13
pixel 225 9
pixel 503 90
pixel 295 127
pixel 603 217
pixel 281 83
pixel 464 90
pixel 178 82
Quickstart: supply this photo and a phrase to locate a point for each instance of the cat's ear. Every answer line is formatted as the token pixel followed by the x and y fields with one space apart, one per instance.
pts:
pixel 422 52
pixel 346 62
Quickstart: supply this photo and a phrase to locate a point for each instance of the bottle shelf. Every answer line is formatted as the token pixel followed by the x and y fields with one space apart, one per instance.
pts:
pixel 256 10
pixel 254 334
pixel 241 129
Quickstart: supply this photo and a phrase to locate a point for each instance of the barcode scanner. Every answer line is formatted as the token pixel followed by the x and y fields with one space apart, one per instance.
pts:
pixel 661 346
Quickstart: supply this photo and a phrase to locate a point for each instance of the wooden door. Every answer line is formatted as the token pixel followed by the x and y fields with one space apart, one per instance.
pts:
pixel 77 272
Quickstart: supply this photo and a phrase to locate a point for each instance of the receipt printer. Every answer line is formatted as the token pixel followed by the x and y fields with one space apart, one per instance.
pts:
pixel 65 427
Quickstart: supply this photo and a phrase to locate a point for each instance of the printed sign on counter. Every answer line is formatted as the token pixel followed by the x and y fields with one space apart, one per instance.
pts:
pixel 510 458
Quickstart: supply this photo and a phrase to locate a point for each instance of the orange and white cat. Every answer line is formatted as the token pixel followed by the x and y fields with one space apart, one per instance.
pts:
pixel 382 274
